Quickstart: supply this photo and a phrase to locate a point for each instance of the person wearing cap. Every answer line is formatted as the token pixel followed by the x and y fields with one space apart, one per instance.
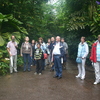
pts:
pixel 95 58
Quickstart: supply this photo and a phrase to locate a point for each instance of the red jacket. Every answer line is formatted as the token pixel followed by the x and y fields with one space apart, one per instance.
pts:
pixel 93 56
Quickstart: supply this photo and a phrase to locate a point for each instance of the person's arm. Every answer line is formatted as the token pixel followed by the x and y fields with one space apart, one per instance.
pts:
pixel 31 50
pixel 8 49
pixel 16 45
pixel 66 45
pixel 21 50
pixel 35 55
pixel 86 51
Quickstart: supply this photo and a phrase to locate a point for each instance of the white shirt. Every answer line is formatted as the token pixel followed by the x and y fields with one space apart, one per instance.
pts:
pixel 56 50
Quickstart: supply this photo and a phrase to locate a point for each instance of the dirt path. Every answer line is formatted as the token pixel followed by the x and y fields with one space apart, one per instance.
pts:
pixel 27 86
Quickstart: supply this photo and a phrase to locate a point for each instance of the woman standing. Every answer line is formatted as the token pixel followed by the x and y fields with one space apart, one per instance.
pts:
pixel 83 51
pixel 43 48
pixel 48 52
pixel 26 52
pixel 33 51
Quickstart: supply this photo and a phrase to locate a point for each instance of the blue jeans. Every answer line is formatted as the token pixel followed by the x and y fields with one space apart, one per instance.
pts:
pixel 27 61
pixel 58 66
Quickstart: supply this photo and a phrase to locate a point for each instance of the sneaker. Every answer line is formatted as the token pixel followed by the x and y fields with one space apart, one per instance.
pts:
pixel 77 76
pixel 95 83
pixel 82 78
pixel 15 71
pixel 40 74
pixel 35 73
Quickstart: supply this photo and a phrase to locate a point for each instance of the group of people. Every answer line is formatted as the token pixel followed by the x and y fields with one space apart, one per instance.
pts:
pixel 54 53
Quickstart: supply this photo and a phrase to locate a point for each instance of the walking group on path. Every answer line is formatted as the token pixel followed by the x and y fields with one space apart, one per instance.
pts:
pixel 53 53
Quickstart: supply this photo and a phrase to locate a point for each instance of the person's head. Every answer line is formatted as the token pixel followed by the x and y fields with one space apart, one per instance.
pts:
pixel 40 40
pixel 38 45
pixel 52 39
pixel 62 40
pixel 13 38
pixel 83 39
pixel 33 41
pixel 26 39
pixel 58 39
pixel 99 38
pixel 49 40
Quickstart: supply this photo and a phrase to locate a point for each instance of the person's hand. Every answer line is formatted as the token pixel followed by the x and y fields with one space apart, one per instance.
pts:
pixel 30 55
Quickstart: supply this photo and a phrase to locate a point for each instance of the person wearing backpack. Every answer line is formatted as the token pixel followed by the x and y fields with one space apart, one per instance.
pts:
pixel 26 53
pixel 83 51
pixel 95 58
pixel 38 56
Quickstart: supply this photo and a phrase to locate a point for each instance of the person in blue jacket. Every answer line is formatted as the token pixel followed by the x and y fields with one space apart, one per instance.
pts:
pixel 58 53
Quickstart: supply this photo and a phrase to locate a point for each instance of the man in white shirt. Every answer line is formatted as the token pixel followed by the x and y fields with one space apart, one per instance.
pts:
pixel 58 52
pixel 11 48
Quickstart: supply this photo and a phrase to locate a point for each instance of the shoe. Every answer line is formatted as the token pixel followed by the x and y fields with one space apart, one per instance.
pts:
pixel 51 70
pixel 77 76
pixel 59 77
pixel 29 70
pixel 35 73
pixel 55 76
pixel 82 78
pixel 95 83
pixel 40 74
pixel 15 71
pixel 24 70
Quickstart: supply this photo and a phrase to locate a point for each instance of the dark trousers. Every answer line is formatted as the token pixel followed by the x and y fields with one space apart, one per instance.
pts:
pixel 39 66
pixel 27 61
pixel 43 64
pixel 58 66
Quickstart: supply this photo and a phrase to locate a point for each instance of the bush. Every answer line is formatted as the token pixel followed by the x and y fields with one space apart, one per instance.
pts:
pixel 4 67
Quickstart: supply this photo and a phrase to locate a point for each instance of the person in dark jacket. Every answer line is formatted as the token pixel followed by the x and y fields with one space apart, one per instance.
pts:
pixel 58 53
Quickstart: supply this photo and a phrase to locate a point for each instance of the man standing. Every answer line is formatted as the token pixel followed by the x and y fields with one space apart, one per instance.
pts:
pixel 11 48
pixel 66 52
pixel 58 52
pixel 95 58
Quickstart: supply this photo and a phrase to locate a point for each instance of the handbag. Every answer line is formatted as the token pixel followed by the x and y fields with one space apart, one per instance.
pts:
pixel 45 56
pixel 79 60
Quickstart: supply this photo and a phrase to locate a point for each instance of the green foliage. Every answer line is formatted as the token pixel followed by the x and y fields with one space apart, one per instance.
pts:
pixel 4 67
pixel 19 61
